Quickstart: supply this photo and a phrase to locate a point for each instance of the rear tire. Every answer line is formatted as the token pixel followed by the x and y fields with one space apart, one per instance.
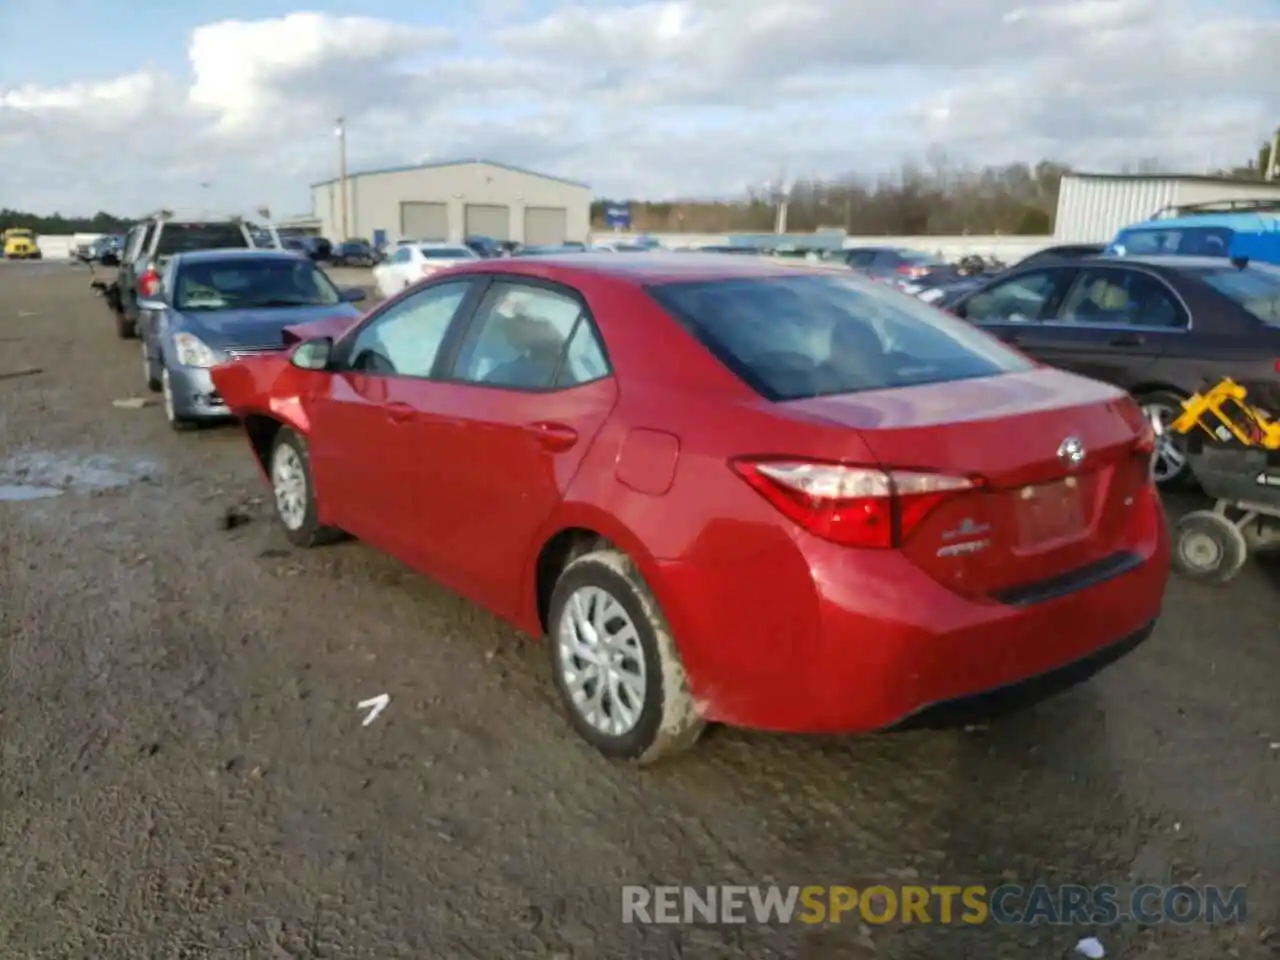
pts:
pixel 1208 548
pixel 293 492
pixel 126 329
pixel 615 663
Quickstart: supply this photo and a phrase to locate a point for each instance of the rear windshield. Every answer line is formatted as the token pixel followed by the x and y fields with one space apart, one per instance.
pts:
pixel 789 338
pixel 1257 289
pixel 245 283
pixel 920 259
pixel 448 253
pixel 1181 241
pixel 185 237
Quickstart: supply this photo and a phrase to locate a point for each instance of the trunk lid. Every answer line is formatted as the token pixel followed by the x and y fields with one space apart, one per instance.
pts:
pixel 1057 457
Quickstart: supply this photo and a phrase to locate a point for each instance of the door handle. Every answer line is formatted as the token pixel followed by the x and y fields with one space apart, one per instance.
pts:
pixel 556 437
pixel 399 412
pixel 1012 337
pixel 1126 340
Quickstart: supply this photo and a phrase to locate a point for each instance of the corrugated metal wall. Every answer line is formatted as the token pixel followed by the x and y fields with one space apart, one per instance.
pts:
pixel 1093 209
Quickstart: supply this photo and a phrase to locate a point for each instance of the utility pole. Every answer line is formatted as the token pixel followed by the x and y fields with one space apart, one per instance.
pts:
pixel 1273 167
pixel 784 197
pixel 341 132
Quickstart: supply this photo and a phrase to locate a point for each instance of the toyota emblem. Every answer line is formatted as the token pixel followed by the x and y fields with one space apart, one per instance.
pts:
pixel 1071 452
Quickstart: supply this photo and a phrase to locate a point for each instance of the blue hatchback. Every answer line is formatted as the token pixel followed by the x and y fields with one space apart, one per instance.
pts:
pixel 1253 235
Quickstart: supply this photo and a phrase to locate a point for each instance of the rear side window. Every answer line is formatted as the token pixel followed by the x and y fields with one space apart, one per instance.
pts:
pixel 1257 289
pixel 790 338
pixel 448 253
pixel 185 237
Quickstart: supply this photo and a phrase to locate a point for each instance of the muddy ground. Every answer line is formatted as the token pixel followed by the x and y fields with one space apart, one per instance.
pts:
pixel 184 773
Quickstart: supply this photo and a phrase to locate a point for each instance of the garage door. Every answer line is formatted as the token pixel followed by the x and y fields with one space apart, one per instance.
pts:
pixel 424 221
pixel 486 220
pixel 545 225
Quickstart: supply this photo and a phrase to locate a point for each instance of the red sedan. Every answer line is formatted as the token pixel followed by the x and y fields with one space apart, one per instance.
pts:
pixel 726 489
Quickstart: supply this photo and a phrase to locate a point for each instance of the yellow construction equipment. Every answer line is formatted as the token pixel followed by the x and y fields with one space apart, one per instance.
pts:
pixel 1224 413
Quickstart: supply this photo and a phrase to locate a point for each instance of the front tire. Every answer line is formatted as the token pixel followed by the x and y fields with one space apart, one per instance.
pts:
pixel 1208 547
pixel 1169 467
pixel 615 663
pixel 289 468
pixel 177 422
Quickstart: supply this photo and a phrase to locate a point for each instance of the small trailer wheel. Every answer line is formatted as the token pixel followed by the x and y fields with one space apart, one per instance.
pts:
pixel 1208 547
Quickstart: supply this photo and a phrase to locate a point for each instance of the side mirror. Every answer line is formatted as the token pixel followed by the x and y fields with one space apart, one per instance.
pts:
pixel 353 295
pixel 312 354
pixel 152 304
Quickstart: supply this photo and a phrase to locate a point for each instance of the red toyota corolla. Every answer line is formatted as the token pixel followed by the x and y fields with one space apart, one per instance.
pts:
pixel 726 489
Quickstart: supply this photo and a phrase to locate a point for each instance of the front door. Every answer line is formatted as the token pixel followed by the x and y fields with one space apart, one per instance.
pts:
pixel 529 387
pixel 363 456
pixel 1013 309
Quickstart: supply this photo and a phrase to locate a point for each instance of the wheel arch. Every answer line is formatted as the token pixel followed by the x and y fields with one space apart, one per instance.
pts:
pixel 575 531
pixel 1155 386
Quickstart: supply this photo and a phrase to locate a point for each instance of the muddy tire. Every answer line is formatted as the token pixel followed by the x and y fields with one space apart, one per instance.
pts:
pixel 615 662
pixel 293 492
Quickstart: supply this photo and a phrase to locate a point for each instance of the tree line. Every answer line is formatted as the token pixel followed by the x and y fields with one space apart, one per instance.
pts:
pixel 932 198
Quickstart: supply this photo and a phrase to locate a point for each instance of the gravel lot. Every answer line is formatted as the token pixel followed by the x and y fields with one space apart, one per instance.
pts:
pixel 183 770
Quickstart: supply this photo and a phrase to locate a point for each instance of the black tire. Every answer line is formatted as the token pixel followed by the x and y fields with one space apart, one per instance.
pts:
pixel 1208 547
pixel 148 368
pixel 669 721
pixel 1168 400
pixel 126 329
pixel 308 532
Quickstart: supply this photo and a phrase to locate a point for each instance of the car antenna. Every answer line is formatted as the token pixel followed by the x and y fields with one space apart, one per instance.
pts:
pixel 1240 262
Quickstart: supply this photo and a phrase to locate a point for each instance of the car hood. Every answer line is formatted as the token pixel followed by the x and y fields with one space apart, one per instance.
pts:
pixel 263 327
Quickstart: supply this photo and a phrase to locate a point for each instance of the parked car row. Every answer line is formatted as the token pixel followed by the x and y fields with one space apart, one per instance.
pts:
pixel 725 489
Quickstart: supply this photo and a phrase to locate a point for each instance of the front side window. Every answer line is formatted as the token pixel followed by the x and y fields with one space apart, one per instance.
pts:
pixel 519 338
pixel 405 339
pixel 795 337
pixel 1023 299
pixel 1174 241
pixel 248 283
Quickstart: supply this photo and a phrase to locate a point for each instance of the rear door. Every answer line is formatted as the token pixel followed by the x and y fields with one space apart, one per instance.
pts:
pixel 1114 324
pixel 529 388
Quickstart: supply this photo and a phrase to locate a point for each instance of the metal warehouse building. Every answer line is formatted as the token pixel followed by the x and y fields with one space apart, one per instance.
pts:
pixel 453 200
pixel 1092 207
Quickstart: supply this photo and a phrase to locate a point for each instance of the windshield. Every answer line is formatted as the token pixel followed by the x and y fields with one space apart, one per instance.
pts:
pixel 920 259
pixel 448 253
pixel 1257 289
pixel 184 237
pixel 1180 241
pixel 789 338
pixel 247 283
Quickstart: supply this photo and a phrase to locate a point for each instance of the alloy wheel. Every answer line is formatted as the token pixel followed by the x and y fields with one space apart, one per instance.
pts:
pixel 1170 461
pixel 289 484
pixel 601 661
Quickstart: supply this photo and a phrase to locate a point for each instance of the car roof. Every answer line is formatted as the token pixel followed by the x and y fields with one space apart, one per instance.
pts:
pixel 650 268
pixel 235 253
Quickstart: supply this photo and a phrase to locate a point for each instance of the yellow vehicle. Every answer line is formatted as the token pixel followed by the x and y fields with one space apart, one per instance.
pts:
pixel 20 244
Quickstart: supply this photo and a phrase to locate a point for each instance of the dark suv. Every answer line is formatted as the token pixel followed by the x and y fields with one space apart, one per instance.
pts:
pixel 152 241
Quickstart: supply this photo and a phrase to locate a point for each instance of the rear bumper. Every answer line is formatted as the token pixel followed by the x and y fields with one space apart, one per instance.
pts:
pixel 825 640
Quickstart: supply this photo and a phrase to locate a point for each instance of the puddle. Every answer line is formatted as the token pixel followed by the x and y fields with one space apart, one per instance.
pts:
pixel 39 475
pixel 20 492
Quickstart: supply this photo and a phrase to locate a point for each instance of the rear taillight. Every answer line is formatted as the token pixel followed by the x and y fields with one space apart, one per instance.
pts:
pixel 1277 365
pixel 149 282
pixel 853 506
pixel 913 272
pixel 427 270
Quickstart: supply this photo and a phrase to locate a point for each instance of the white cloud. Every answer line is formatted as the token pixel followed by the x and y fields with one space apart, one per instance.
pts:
pixel 659 98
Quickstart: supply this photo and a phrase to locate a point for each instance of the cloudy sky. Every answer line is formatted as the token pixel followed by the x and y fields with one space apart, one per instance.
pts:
pixel 232 103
